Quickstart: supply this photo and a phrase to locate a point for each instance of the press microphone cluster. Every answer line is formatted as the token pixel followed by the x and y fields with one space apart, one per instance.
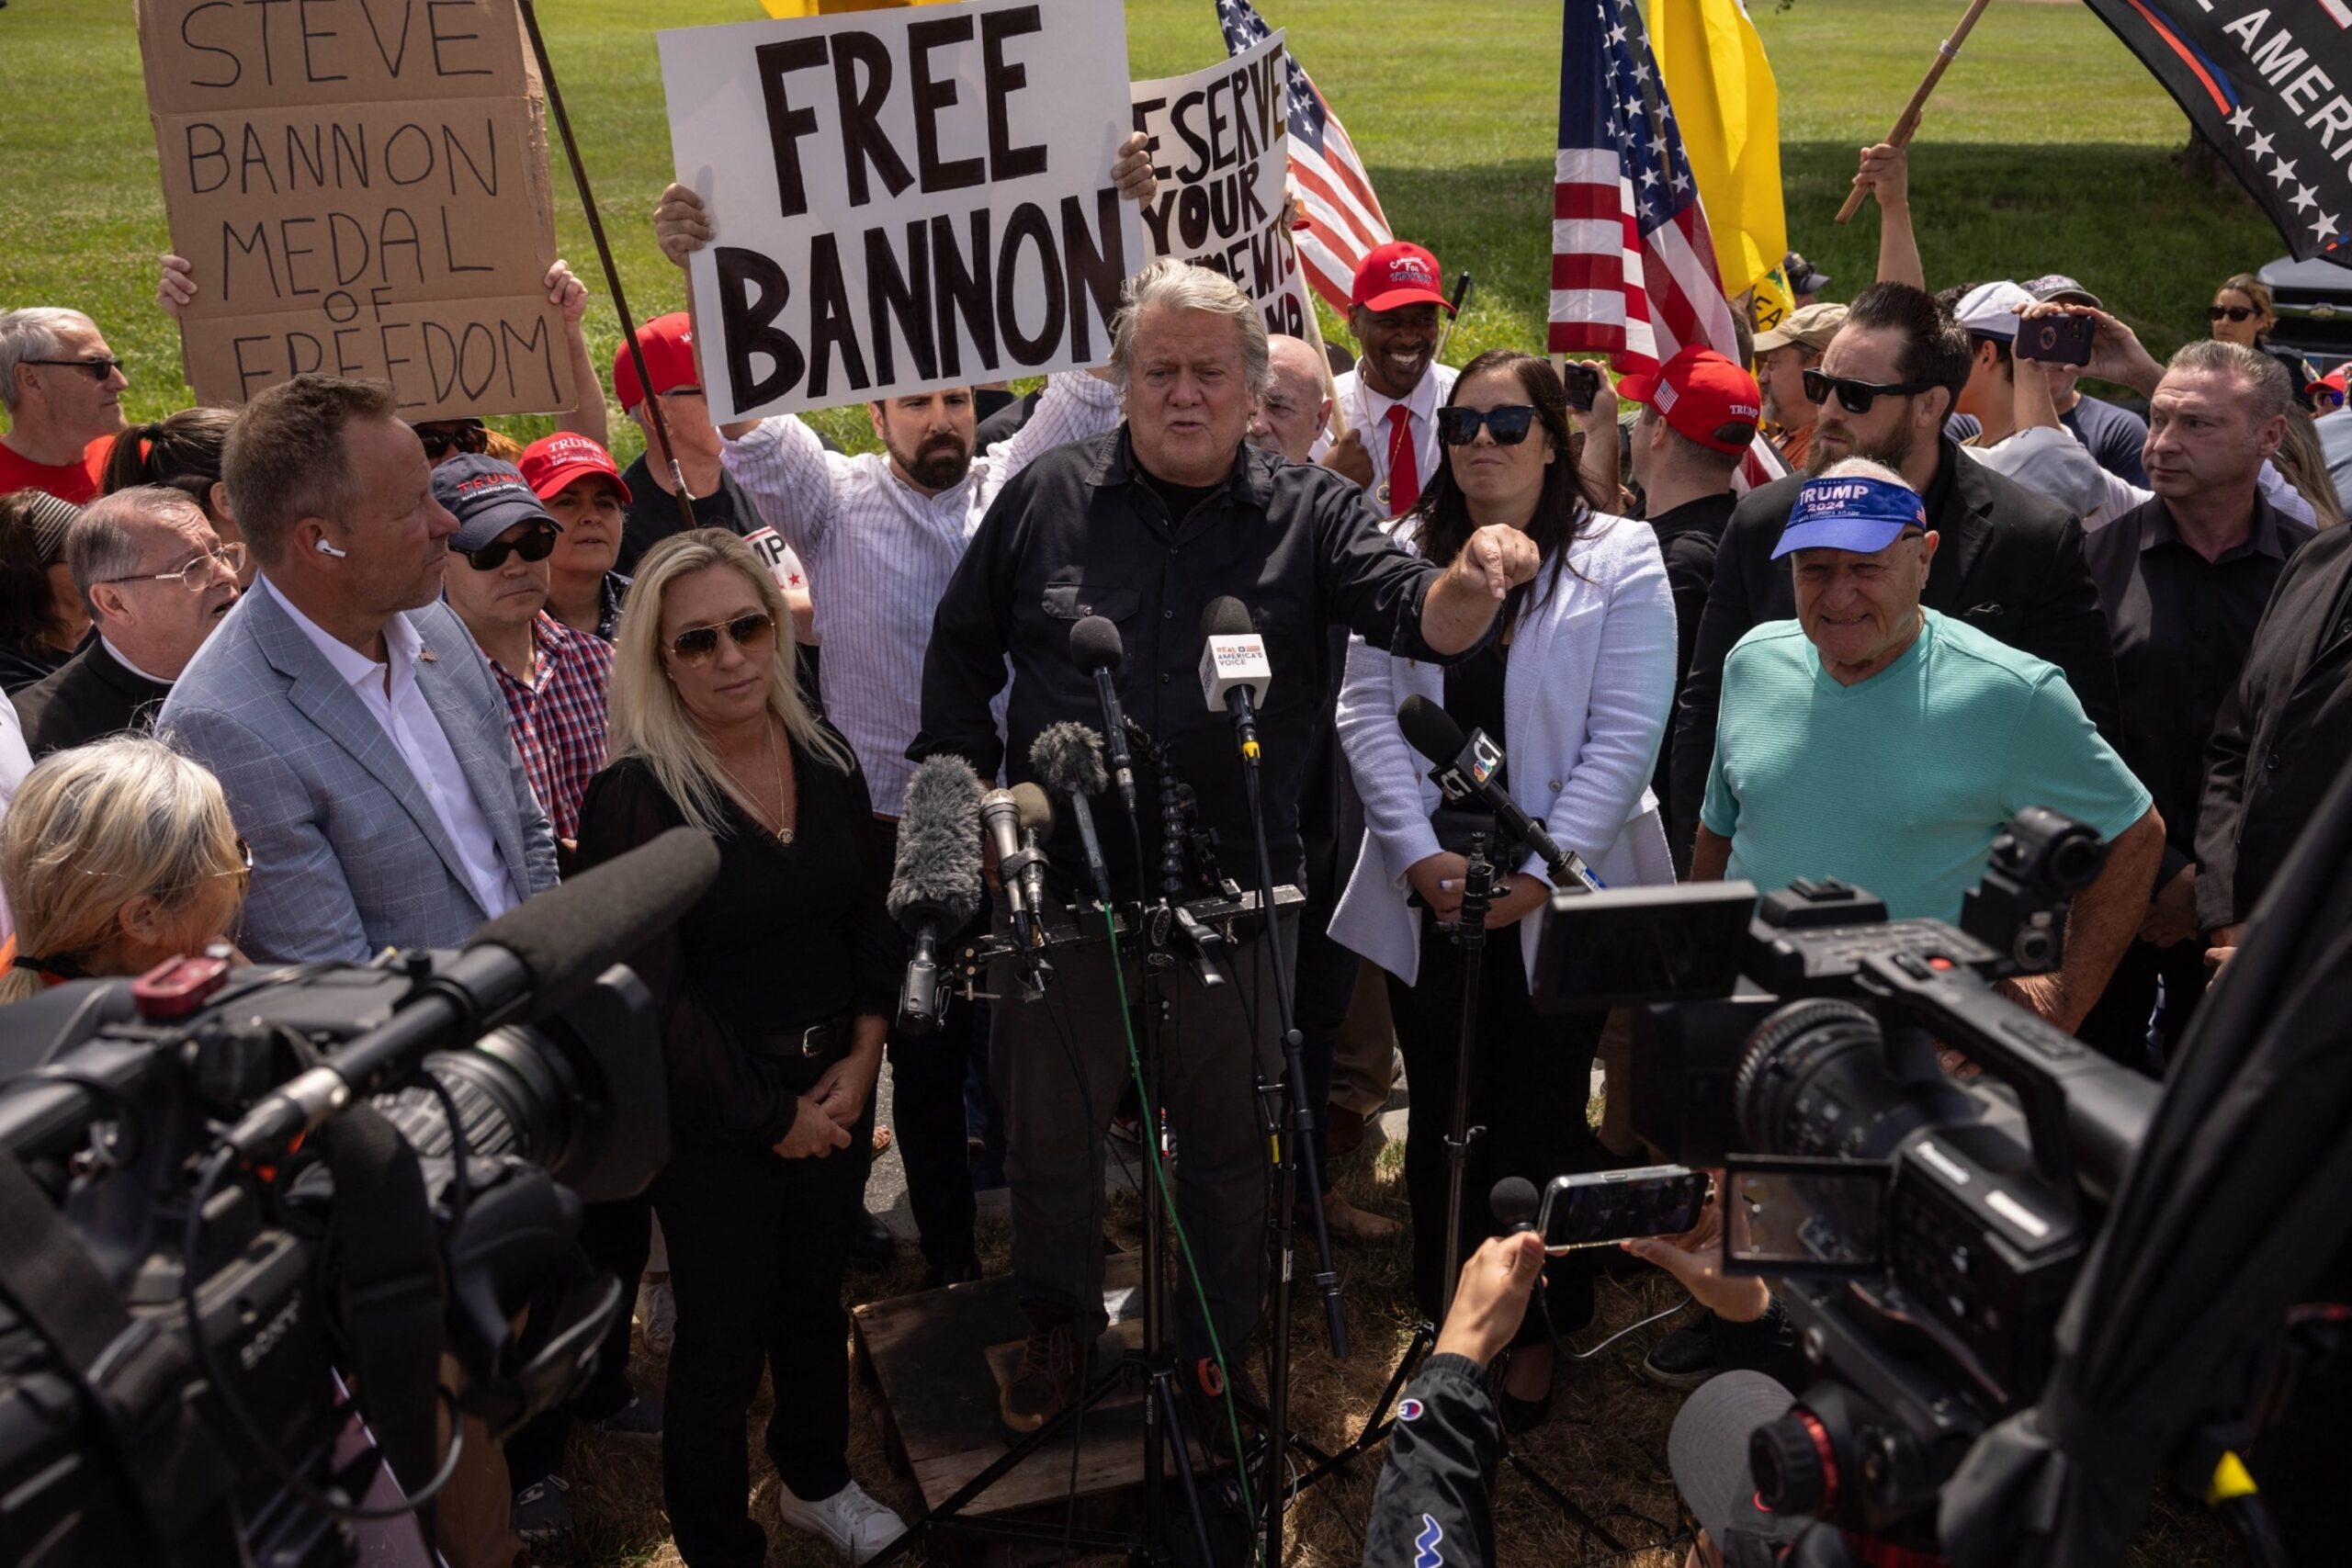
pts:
pixel 1017 821
pixel 936 881
pixel 1096 648
pixel 1234 675
pixel 1469 767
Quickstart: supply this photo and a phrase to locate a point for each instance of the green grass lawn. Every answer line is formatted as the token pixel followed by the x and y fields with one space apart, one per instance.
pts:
pixel 2047 149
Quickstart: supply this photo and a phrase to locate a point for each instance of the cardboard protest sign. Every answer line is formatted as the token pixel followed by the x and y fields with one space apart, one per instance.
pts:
pixel 904 199
pixel 1221 153
pixel 361 188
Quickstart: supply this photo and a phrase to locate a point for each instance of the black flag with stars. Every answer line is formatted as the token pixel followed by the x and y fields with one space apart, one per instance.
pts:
pixel 2270 86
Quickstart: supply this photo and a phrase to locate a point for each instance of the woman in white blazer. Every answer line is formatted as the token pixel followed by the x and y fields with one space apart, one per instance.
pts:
pixel 1575 687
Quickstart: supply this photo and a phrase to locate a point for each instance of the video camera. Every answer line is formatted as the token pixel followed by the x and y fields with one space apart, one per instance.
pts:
pixel 1923 1230
pixel 228 1192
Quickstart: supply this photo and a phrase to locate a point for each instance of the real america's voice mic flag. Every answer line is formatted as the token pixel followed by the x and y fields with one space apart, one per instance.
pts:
pixel 2270 86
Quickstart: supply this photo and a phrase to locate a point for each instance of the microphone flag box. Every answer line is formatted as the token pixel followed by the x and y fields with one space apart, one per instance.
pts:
pixel 1228 663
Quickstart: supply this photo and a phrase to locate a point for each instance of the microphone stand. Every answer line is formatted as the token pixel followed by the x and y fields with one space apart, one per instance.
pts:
pixel 1295 1144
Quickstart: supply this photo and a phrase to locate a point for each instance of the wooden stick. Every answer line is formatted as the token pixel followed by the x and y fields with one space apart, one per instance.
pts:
pixel 1337 426
pixel 1945 52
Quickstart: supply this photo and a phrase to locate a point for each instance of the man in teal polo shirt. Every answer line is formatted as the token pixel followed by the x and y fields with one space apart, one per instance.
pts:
pixel 1879 742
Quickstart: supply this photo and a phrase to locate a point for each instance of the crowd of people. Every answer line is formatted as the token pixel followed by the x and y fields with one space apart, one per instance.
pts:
pixel 312 681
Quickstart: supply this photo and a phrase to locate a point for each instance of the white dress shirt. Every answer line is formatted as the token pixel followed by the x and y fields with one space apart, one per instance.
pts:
pixel 390 693
pixel 880 553
pixel 15 762
pixel 1367 410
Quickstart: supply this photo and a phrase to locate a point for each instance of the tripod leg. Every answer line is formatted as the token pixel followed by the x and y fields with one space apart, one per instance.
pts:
pixel 1173 1419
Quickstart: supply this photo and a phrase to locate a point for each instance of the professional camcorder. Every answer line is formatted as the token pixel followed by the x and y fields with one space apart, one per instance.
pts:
pixel 1924 1229
pixel 244 1205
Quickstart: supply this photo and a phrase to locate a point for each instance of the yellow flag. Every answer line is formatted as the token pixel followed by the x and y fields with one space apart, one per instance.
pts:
pixel 786 9
pixel 1729 110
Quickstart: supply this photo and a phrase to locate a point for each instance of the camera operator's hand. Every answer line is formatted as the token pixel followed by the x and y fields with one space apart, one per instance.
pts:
pixel 1437 879
pixel 1695 1257
pixel 814 1134
pixel 1492 1297
pixel 2172 913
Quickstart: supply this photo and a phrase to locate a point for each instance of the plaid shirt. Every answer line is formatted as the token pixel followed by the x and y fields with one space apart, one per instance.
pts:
pixel 559 723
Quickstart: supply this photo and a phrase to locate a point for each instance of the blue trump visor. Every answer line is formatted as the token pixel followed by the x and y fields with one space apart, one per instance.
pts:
pixel 1863 515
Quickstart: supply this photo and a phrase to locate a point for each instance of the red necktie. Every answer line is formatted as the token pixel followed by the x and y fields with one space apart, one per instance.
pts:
pixel 1404 466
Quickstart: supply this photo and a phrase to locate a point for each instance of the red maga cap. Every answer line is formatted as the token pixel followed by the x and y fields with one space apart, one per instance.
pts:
pixel 551 463
pixel 669 344
pixel 1701 395
pixel 1398 274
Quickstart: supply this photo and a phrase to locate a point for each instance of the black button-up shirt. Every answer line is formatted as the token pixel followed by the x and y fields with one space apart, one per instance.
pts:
pixel 2181 626
pixel 1079 534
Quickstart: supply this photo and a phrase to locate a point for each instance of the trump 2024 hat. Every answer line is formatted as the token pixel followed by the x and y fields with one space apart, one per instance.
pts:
pixel 1701 396
pixel 489 496
pixel 668 343
pixel 1852 512
pixel 1395 275
pixel 553 462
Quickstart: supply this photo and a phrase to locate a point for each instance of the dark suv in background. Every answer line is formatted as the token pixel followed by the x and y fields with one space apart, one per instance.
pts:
pixel 2314 303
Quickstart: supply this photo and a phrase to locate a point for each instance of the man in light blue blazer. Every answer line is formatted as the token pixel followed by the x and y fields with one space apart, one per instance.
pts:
pixel 357 733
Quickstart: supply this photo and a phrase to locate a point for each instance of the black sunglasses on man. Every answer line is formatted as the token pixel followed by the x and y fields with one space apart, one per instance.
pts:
pixel 1857 397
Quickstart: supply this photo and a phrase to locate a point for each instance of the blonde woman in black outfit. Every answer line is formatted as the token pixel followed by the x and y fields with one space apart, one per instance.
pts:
pixel 775 993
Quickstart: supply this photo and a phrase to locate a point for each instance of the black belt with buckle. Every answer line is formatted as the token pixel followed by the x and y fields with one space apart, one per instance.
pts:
pixel 819 1043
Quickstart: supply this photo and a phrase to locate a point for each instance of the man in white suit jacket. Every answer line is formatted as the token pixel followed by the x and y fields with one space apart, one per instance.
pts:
pixel 353 727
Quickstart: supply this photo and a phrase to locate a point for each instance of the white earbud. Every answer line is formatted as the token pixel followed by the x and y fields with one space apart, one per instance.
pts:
pixel 326 549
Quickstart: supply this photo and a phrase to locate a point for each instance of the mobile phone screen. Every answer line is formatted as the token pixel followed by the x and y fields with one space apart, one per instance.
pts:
pixel 1610 1206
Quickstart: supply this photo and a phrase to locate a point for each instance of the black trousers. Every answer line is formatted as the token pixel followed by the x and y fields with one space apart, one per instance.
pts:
pixel 758 1244
pixel 927 1076
pixel 2117 1025
pixel 1531 1081
pixel 1324 985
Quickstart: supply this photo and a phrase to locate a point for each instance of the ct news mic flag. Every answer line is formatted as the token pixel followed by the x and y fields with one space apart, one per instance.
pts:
pixel 1345 222
pixel 2270 86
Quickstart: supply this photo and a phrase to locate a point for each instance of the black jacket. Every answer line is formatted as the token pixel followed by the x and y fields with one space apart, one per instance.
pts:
pixel 1688 536
pixel 1433 1507
pixel 2008 563
pixel 91 695
pixel 2283 734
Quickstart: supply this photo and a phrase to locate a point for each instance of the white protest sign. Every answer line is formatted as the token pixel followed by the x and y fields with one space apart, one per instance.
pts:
pixel 1221 154
pixel 903 199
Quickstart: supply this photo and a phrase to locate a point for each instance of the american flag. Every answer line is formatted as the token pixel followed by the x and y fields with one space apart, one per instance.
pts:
pixel 1345 222
pixel 1633 266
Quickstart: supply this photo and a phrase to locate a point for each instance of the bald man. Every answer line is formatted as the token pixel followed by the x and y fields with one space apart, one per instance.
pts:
pixel 1294 410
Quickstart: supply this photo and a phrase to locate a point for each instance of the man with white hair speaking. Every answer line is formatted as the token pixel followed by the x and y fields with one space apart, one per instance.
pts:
pixel 1883 743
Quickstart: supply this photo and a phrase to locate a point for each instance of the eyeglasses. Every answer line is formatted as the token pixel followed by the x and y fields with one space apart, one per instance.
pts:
pixel 2228 313
pixel 1508 425
pixel 537 544
pixel 243 870
pixel 197 575
pixel 469 436
pixel 100 366
pixel 1858 396
pixel 695 645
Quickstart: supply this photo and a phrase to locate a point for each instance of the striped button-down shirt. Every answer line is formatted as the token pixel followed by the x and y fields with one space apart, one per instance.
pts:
pixel 558 716
pixel 879 554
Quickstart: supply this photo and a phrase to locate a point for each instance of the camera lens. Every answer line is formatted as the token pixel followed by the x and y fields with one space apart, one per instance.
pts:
pixel 1792 1465
pixel 1816 1082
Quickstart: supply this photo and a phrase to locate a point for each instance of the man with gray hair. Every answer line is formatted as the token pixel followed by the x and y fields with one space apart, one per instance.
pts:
pixel 345 708
pixel 1146 528
pixel 63 389
pixel 2183 580
pixel 156 579
pixel 1885 744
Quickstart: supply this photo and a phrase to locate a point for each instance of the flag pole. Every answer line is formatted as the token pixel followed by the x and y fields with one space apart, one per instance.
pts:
pixel 1336 426
pixel 1945 52
pixel 612 274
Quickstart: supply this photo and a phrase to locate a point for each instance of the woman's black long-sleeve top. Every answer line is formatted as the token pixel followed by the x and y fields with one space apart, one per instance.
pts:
pixel 789 935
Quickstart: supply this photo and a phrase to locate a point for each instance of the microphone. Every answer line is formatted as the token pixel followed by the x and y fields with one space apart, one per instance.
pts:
pixel 936 881
pixel 1095 646
pixel 1068 758
pixel 1465 767
pixel 1035 813
pixel 1001 820
pixel 1234 671
pixel 526 966
pixel 1514 1205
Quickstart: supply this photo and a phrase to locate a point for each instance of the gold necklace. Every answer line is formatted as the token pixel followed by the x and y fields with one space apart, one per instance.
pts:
pixel 784 834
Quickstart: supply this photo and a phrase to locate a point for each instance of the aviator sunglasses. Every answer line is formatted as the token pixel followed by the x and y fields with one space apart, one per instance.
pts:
pixel 752 633
pixel 1508 425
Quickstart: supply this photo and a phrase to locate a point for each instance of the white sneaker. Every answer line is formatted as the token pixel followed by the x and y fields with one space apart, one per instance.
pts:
pixel 849 1518
pixel 656 1314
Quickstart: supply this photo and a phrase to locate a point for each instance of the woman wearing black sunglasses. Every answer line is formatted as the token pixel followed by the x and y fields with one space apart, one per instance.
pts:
pixel 776 991
pixel 1575 687
pixel 2243 313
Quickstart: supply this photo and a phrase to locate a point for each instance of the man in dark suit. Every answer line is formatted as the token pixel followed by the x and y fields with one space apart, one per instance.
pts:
pixel 2283 736
pixel 2010 565
pixel 156 579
